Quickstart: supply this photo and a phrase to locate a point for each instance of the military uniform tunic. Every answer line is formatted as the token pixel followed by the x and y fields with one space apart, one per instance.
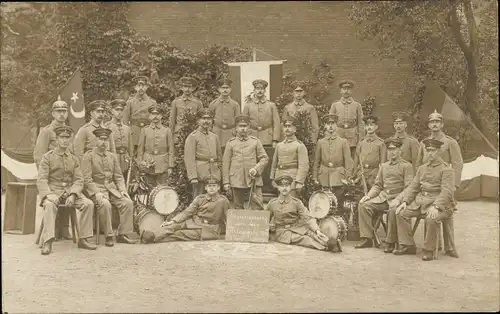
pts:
pixel 265 120
pixel 292 223
pixel 350 120
pixel 123 142
pixel 392 178
pixel 46 140
pixel 225 109
pixel 179 106
pixel 204 219
pixel 85 140
pixel 370 153
pixel 409 149
pixel 304 106
pixel 136 114
pixel 432 185
pixel 332 160
pixel 290 158
pixel 156 143
pixel 60 174
pixel 102 174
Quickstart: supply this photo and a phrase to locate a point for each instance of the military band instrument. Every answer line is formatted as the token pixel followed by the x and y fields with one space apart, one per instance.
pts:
pixel 163 199
pixel 322 203
pixel 146 218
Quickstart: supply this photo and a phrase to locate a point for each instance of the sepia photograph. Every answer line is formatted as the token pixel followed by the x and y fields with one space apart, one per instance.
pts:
pixel 250 156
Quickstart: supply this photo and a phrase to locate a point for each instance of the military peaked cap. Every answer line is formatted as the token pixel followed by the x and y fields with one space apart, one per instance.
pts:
pixel 430 142
pixel 393 142
pixel 289 119
pixel 63 131
pixel 330 118
pixel 283 180
pixel 188 80
pixel 224 81
pixel 212 180
pixel 298 86
pixel 141 79
pixel 205 112
pixel 242 118
pixel 400 116
pixel 155 109
pixel 98 105
pixel 117 103
pixel 102 132
pixel 371 118
pixel 260 82
pixel 347 82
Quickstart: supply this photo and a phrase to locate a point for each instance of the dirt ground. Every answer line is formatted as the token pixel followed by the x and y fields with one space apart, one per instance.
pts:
pixel 218 276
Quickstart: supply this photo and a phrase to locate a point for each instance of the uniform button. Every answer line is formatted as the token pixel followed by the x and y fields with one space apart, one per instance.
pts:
pixel 155 152
pixel 64 184
pixel 224 126
pixel 212 160
pixel 259 128
pixel 205 221
pixel 366 166
pixel 345 126
pixel 287 226
pixel 330 164
pixel 141 124
pixel 281 166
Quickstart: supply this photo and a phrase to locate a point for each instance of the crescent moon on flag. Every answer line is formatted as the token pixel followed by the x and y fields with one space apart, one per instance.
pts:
pixel 79 114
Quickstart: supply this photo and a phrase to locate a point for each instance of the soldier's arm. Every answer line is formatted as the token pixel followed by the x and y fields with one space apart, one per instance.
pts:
pixel 190 210
pixel 261 157
pixel 86 166
pixel 112 145
pixel 408 178
pixel 78 181
pixel 314 125
pixel 117 175
pixel 359 114
pixel 445 197
pixel 276 123
pixel 303 164
pixel 378 185
pixel 79 142
pixel 226 163
pixel 383 153
pixel 348 162
pixel 274 163
pixel 457 162
pixel 173 115
pixel 411 191
pixel 171 148
pixel 317 161
pixel 237 109
pixel 190 157
pixel 41 146
pixel 42 181
pixel 141 145
pixel 246 110
pixel 304 216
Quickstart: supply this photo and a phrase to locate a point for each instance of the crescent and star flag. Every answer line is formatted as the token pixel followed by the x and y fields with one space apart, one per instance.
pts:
pixel 244 73
pixel 436 99
pixel 72 93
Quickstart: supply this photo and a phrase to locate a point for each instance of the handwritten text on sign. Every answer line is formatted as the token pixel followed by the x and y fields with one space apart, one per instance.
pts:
pixel 247 225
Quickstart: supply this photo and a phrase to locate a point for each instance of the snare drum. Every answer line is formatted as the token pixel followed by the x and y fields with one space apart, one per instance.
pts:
pixel 164 199
pixel 321 203
pixel 333 227
pixel 146 218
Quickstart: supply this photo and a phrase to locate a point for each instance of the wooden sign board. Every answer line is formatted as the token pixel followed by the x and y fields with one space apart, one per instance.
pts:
pixel 247 225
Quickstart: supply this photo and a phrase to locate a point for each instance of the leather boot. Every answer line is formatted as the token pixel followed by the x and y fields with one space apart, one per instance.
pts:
pixel 47 247
pixel 390 248
pixel 124 239
pixel 452 253
pixel 406 250
pixel 109 241
pixel 428 256
pixel 366 243
pixel 147 237
pixel 84 244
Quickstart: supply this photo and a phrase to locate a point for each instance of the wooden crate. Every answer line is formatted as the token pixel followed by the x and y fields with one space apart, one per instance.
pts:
pixel 20 208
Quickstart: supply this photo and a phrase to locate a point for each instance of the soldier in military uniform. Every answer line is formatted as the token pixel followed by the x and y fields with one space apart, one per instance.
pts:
pixel 185 102
pixel 46 141
pixel 105 185
pixel 85 139
pixel 350 115
pixel 290 220
pixel 291 158
pixel 204 219
pixel 242 166
pixel 430 193
pixel 202 153
pixel 265 120
pixel 136 113
pixel 410 145
pixel 451 154
pixel 392 178
pixel 332 159
pixel 225 109
pixel 60 181
pixel 121 134
pixel 156 143
pixel 370 152
pixel 299 104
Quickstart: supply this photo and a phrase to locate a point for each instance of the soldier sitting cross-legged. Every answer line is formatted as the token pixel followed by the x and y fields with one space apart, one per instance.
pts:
pixel 202 220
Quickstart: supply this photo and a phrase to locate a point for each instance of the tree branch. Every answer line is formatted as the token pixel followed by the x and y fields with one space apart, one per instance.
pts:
pixel 471 27
pixel 455 28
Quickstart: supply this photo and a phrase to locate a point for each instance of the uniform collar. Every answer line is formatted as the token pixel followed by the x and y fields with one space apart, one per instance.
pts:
pixel 97 125
pixel 211 199
pixel 371 138
pixel 155 126
pixel 98 152
pixel 440 136
pixel 284 200
pixel 291 139
pixel 402 135
pixel 143 97
pixel 224 99
pixel 186 98
pixel 117 122
pixel 299 103
pixel 346 101
pixel 242 138
pixel 200 129
pixel 395 162
pixel 60 151
pixel 260 101
pixel 56 124
pixel 331 136
pixel 438 161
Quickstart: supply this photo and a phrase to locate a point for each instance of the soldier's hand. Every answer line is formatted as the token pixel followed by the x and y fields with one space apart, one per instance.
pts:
pixel 274 144
pixel 401 206
pixel 70 201
pixel 316 182
pixel 194 181
pixel 364 199
pixel 252 172
pixel 298 185
pixel 125 194
pixel 52 198
pixel 227 187
pixel 393 203
pixel 166 223
pixel 433 212
pixel 321 235
pixel 99 197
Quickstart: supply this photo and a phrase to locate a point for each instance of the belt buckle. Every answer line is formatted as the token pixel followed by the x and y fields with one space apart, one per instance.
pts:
pixel 212 160
pixel 281 166
pixel 287 226
pixel 155 152
pixel 141 124
pixel 330 165
pixel 224 126
pixel 259 128
pixel 426 193
pixel 64 184
pixel 366 165
pixel 346 126
pixel 205 221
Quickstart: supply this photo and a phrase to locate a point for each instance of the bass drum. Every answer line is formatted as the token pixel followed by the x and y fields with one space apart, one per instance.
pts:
pixel 164 199
pixel 322 203
pixel 333 227
pixel 146 218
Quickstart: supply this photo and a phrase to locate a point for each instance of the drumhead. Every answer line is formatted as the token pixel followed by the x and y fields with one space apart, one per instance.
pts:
pixel 319 204
pixel 164 199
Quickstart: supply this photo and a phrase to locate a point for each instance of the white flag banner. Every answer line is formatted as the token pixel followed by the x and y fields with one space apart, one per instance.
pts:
pixel 19 169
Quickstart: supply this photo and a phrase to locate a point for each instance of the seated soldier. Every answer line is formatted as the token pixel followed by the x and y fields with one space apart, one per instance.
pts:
pixel 105 185
pixel 431 193
pixel 202 220
pixel 60 181
pixel 291 222
pixel 392 178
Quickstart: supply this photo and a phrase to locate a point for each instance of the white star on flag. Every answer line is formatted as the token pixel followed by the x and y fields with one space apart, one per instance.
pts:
pixel 75 97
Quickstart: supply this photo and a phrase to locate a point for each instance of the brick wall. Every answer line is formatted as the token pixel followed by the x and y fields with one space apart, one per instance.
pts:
pixel 295 31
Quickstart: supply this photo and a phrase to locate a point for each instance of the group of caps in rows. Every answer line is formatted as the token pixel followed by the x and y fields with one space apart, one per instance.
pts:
pixel 222 149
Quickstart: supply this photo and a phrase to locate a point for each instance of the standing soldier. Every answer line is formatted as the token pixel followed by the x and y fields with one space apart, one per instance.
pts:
pixel 332 160
pixel 350 115
pixel 47 141
pixel 290 158
pixel 243 162
pixel 202 154
pixel 392 178
pixel 225 109
pixel 370 153
pixel 299 104
pixel 451 154
pixel 430 193
pixel 264 115
pixel 60 181
pixel 409 150
pixel 105 185
pixel 185 102
pixel 156 143
pixel 121 134
pixel 84 139
pixel 136 113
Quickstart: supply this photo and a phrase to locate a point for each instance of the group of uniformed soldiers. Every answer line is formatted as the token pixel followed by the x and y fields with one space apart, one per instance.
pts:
pixel 224 150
